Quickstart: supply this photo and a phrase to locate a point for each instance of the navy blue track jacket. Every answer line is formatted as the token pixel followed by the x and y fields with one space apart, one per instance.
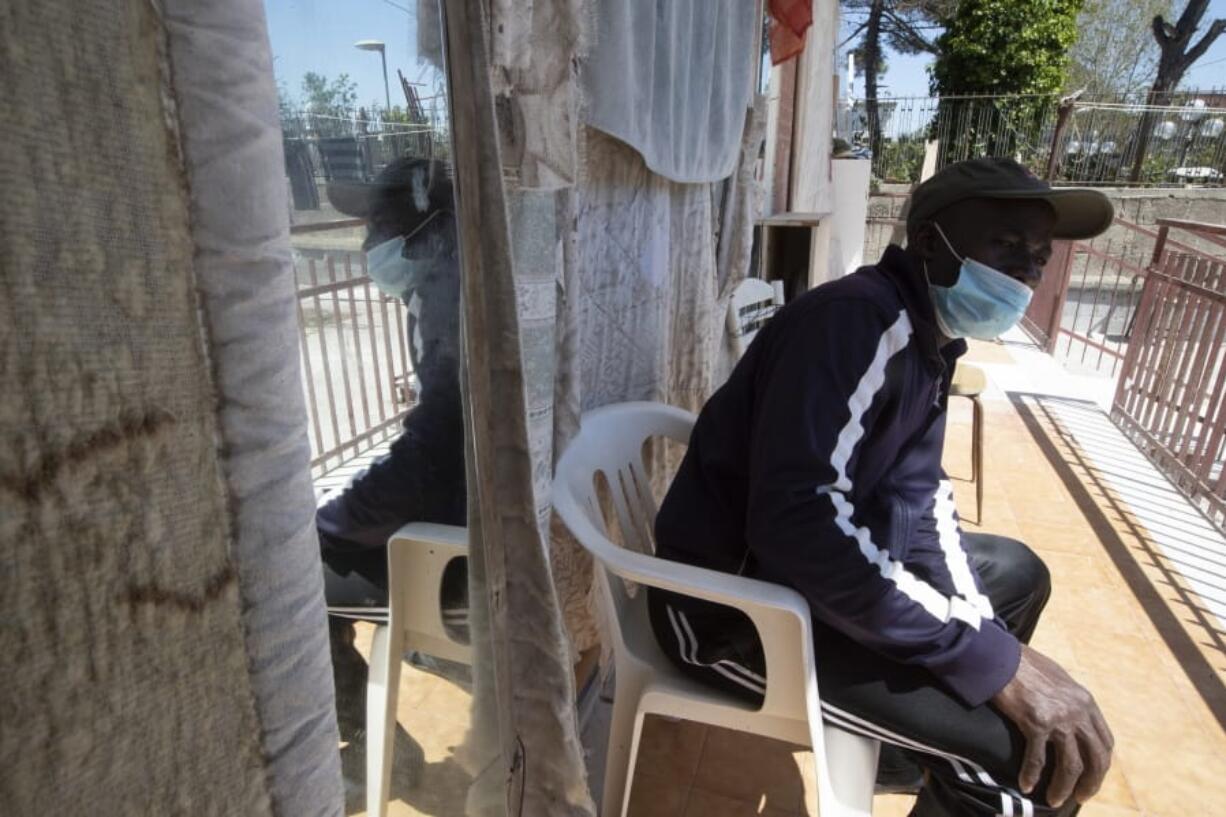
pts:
pixel 818 466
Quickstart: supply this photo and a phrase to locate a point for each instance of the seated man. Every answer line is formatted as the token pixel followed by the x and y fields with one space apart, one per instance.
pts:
pixel 818 466
pixel 411 254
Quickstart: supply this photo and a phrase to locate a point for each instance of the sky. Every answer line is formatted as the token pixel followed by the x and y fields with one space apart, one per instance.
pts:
pixel 318 35
pixel 907 75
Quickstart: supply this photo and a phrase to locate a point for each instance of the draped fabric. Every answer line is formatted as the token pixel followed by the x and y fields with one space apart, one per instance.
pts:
pixel 673 80
pixel 647 283
pixel 790 19
pixel 163 620
pixel 525 741
pixel 232 151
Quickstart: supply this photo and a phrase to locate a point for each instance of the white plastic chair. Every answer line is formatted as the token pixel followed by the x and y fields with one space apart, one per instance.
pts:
pixel 610 441
pixel 417 556
pixel 753 303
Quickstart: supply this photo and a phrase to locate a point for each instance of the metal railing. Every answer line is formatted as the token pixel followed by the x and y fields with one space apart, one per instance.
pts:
pixel 357 374
pixel 1171 395
pixel 1085 308
pixel 1095 141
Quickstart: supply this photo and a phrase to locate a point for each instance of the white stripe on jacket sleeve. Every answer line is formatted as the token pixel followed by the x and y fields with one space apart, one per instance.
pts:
pixel 940 606
pixel 955 557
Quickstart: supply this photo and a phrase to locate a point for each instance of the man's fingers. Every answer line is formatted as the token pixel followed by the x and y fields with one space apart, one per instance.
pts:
pixel 1097 759
pixel 1104 731
pixel 1032 763
pixel 1068 769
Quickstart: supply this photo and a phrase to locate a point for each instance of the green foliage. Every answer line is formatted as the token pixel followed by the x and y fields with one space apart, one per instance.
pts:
pixel 1001 47
pixel 1005 47
pixel 900 159
pixel 335 98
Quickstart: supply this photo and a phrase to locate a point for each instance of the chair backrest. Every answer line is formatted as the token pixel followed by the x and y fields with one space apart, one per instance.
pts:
pixel 610 442
pixel 343 159
pixel 753 303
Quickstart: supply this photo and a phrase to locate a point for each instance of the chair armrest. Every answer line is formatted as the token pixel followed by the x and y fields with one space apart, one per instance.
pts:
pixel 780 614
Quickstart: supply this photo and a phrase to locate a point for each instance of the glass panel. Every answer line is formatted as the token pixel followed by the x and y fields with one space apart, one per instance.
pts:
pixel 364 121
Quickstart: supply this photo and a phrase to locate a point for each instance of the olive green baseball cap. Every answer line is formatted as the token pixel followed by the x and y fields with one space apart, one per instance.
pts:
pixel 1080 212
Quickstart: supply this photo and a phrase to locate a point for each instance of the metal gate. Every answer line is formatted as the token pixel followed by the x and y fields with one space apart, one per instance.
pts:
pixel 1171 395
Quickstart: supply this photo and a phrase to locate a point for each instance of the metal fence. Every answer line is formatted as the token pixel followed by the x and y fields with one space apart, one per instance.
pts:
pixel 321 148
pixel 1097 144
pixel 1171 395
pixel 1085 308
pixel 357 375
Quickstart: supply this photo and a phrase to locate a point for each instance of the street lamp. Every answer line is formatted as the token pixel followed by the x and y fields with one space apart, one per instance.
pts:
pixel 377 45
pixel 1192 113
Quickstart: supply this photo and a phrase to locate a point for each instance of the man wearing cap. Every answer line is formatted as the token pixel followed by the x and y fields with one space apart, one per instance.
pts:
pixel 410 250
pixel 818 466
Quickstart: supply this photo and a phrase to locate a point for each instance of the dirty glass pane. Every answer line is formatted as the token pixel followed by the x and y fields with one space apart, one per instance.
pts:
pixel 365 131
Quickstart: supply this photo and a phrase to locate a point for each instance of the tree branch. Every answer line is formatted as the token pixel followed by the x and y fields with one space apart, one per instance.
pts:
pixel 1159 26
pixel 905 31
pixel 853 34
pixel 1197 51
pixel 1190 18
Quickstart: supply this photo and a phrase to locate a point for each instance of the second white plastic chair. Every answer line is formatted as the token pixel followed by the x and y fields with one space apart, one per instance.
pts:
pixel 417 556
pixel 610 442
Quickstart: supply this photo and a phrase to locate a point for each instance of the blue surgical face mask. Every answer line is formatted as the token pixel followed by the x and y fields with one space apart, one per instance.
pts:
pixel 983 304
pixel 388 268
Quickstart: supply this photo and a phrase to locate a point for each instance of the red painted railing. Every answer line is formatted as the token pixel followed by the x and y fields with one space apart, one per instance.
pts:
pixel 1171 394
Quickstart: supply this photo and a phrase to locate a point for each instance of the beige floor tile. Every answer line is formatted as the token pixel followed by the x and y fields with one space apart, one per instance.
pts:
pixel 655 795
pixel 438 695
pixel 893 805
pixel 1168 781
pixel 1116 790
pixel 1095 808
pixel 709 804
pixel 671 748
pixel 749 767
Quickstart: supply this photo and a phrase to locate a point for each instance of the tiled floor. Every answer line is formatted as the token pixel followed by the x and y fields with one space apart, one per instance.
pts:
pixel 430 772
pixel 1140 585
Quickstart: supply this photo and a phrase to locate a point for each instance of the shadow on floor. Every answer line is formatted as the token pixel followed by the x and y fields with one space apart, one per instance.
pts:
pixel 1037 412
pixel 437 789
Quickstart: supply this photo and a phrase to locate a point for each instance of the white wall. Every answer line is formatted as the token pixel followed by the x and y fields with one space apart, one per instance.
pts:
pixel 850 197
pixel 812 184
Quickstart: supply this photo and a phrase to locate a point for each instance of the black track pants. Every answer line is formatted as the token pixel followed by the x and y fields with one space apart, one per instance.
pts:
pixel 972 754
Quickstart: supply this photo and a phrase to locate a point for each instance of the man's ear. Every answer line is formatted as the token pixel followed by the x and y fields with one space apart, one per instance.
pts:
pixel 922 240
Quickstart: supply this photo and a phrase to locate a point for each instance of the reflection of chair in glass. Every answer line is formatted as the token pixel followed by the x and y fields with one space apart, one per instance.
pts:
pixel 417 556
pixel 970 382
pixel 610 442
pixel 753 303
pixel 301 174
pixel 345 159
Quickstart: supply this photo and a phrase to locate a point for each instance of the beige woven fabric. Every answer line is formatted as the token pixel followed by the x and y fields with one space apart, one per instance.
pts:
pixel 126 688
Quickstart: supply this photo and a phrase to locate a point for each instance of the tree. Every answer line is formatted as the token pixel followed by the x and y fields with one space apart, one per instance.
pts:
pixel 1005 47
pixel 1000 48
pixel 1176 55
pixel 1115 51
pixel 335 98
pixel 900 24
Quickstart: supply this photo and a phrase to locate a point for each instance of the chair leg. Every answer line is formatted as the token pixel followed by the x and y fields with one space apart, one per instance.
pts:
pixel 382 692
pixel 977 455
pixel 851 763
pixel 624 732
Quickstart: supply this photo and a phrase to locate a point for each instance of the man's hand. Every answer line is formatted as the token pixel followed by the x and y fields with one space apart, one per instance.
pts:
pixel 1050 708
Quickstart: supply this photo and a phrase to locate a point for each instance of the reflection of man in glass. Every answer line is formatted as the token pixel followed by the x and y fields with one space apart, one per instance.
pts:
pixel 411 254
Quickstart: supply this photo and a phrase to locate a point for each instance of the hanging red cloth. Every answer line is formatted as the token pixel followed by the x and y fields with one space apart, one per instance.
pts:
pixel 789 21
